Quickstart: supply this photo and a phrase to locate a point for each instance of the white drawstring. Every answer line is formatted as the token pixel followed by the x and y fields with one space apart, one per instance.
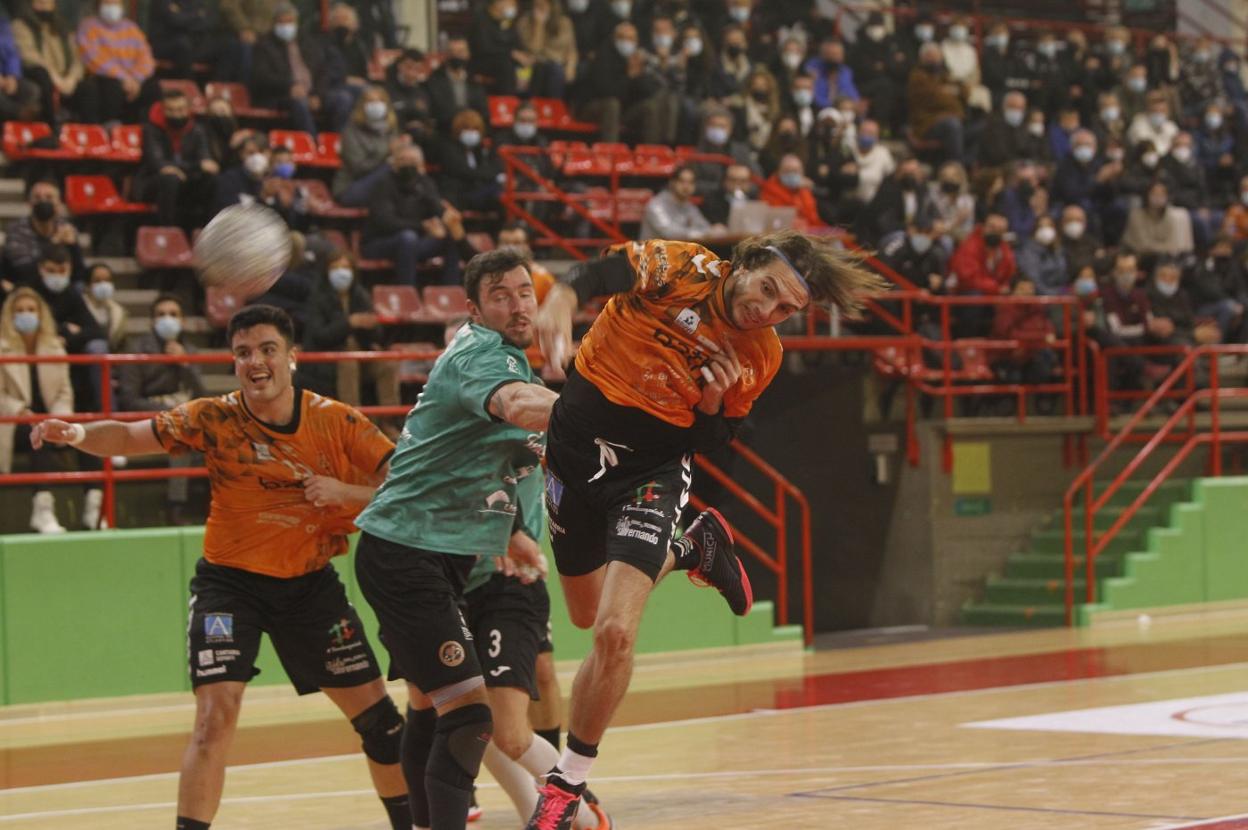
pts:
pixel 607 457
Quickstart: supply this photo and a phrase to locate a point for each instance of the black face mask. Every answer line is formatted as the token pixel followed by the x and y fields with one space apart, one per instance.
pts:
pixel 950 187
pixel 407 175
pixel 1025 190
pixel 734 51
pixel 908 182
pixel 223 124
pixel 43 210
pixel 992 240
pixel 786 138
pixel 177 123
pixel 760 95
pixel 456 63
pixel 45 16
pixel 342 32
pixel 831 66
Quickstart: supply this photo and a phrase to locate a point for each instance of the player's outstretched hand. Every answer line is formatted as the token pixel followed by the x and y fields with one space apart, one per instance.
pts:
pixel 524 559
pixel 721 371
pixel 554 328
pixel 324 491
pixel 52 431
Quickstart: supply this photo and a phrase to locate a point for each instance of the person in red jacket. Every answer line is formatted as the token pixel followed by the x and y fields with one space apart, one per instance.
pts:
pixel 984 265
pixel 1032 360
pixel 789 187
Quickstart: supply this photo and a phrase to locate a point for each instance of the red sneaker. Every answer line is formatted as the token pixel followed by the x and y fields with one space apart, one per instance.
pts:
pixel 718 564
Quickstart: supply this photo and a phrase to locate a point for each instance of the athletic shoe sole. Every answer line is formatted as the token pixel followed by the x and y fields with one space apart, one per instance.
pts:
pixel 699 580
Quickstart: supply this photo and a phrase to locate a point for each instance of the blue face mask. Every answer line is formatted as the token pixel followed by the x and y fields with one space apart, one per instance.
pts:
pixel 340 278
pixel 167 328
pixel 26 322
pixel 525 130
pixel 866 142
pixel 1085 287
pixel 470 138
pixel 921 243
pixel 791 180
pixel 284 169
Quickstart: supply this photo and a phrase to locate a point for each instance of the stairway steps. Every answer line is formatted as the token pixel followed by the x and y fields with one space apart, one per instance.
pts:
pixel 1017 616
pixel 1147 516
pixel 1053 566
pixel 1053 540
pixel 1029 592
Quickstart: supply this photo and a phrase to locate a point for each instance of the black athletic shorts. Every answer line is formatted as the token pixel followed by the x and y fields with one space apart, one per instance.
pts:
pixel 315 630
pixel 510 623
pixel 617 480
pixel 416 595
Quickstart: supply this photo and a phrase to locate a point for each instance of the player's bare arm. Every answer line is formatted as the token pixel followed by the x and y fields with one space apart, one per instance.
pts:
pixel 524 558
pixel 102 438
pixel 525 405
pixel 597 278
pixel 324 491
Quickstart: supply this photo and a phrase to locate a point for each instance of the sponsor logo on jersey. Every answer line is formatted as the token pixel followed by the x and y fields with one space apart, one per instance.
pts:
pixel 688 320
pixel 219 628
pixel 513 365
pixel 205 657
pixel 499 502
pixel 498 671
pixel 262 451
pixel 648 492
pixel 451 653
pixel 210 672
pixel 626 528
pixel 341 631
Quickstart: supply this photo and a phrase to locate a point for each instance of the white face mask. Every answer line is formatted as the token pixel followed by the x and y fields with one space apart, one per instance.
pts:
pixel 1046 234
pixel 56 283
pixel 1182 154
pixel 578 6
pixel 1156 119
pixel 102 291
pixel 1149 159
pixel 921 243
pixel 622 10
pixel 340 278
pixel 663 42
pixel 1124 282
pixel 1110 114
pixel 740 13
pixel 1213 120
pixel 958 33
pixel 470 138
pixel 792 59
pixel 375 110
pixel 626 48
pixel 1137 84
pixel 111 13
pixel 1036 128
pixel 525 130
pixel 1013 116
pixel 717 135
pixel 256 164
pixel 924 32
pixel 26 322
pixel 510 12
pixel 285 31
pixel 693 46
pixel 1166 289
pixel 803 97
pixel 1083 153
pixel 1073 230
pixel 876 33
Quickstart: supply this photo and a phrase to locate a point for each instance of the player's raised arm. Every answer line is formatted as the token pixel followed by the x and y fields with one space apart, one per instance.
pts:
pixel 586 280
pixel 525 405
pixel 102 438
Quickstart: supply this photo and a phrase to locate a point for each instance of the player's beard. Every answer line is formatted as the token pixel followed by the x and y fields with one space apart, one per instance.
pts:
pixel 523 341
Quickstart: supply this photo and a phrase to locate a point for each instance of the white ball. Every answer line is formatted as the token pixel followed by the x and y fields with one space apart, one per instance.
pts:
pixel 244 250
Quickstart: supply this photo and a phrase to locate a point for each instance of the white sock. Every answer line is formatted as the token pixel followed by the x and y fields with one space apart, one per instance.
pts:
pixel 538 760
pixel 574 767
pixel 515 780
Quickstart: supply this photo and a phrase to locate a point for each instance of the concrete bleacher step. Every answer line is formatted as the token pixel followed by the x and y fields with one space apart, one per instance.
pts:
pixel 136 301
pixel 11 188
pixel 13 210
pixel 1015 616
pixel 1053 565
pixel 1149 515
pixel 1004 590
pixel 1053 540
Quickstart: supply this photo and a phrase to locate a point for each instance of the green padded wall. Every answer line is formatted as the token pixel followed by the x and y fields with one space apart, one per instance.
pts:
pixel 1226 529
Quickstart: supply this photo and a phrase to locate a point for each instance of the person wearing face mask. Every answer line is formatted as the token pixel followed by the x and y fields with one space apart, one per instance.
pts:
pixel 246 21
pixel 1158 226
pixel 1215 152
pixel 1217 289
pixel 242 181
pixel 1109 121
pixel 1128 318
pixel 155 387
pixel 340 318
pixel 936 104
pixel 292 70
pixel 1133 92
pixel 834 78
pixel 221 130
pixel 916 35
pixel 345 42
pixel 26 238
pixel 666 76
pixel 26 328
pixel 786 137
pixel 1186 178
pixel 1080 243
pixel 120 69
pixel 900 198
pixel 406 84
pixel 1083 178
pixel 880 68
pixel 452 88
pixel 471 176
pixel 49 58
pixel 1005 133
pixel 365 146
pixel 410 224
pixel 1060 131
pixel 734 67
pixel 917 255
pixel 1200 79
pixel 762 106
pixel 75 324
pixel 177 171
pixel 181 32
pixel 547 34
pixel 873 161
pixel 790 187
pixel 1232 81
pixel 737 186
pixel 952 204
pixel 1041 257
pixel 1024 199
pixel 1154 124
pixel 619 88
pixel 109 313
pixel 962 60
pixel 984 264
pixel 1173 320
pixel 496 49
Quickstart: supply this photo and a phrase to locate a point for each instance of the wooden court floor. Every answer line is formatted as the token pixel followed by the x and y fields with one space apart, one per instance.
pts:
pixel 873 736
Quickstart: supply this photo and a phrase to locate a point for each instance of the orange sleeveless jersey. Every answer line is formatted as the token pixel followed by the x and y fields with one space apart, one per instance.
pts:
pixel 646 348
pixel 259 520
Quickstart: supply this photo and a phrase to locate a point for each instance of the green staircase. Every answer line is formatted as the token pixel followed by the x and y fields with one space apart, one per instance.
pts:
pixel 1032 590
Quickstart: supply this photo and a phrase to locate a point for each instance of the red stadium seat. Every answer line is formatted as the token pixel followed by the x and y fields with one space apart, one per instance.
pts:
pixel 220 305
pixel 616 155
pixel 632 202
pixel 582 161
pixel 654 160
pixel 444 303
pixel 86 195
pixel 158 247
pixel 503 110
pixel 18 135
pixel 240 99
pixel 127 143
pixel 552 114
pixel 300 144
pixel 327 147
pixel 189 88
pixel 560 149
pixel 88 140
pixel 397 304
pixel 321 202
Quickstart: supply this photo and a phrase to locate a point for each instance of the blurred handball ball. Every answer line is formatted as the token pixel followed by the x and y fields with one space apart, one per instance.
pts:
pixel 243 250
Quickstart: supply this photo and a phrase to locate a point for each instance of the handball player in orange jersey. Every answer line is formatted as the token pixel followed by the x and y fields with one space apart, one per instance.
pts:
pixel 290 470
pixel 670 367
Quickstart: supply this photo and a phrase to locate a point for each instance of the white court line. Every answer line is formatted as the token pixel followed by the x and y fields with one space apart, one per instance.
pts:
pixel 1205 823
pixel 687 722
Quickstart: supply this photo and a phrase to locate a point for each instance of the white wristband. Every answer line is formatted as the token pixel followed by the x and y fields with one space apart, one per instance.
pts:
pixel 77 433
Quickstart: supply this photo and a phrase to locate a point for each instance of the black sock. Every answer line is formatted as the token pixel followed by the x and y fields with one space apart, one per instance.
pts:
pixel 687 556
pixel 399 811
pixel 185 823
pixel 551 736
pixel 581 748
pixel 417 740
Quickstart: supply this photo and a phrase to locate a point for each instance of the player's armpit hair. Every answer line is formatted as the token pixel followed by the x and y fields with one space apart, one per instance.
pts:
pixel 835 275
pixel 601 277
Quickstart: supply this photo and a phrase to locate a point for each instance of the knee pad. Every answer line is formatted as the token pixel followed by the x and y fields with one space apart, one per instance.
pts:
pixel 459 742
pixel 380 728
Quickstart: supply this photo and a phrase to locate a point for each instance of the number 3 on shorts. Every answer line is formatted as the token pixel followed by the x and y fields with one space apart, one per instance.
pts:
pixel 496 642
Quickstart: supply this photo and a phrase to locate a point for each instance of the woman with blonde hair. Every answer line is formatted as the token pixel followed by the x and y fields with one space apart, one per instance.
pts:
pixel 27 328
pixel 762 106
pixel 546 33
pixel 367 143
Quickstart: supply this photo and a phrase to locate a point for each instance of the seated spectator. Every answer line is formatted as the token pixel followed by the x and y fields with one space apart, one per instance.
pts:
pixel 451 89
pixel 1085 180
pixel 874 161
pixel 1127 309
pixel 1173 321
pixel 1154 125
pixel 346 43
pixel 75 324
pixel 728 83
pixel 19 97
pixel 246 21
pixel 762 106
pixel 1033 360
pixel 962 60
pixel 788 68
pixel 1036 145
pixel 340 318
pixel 617 88
pixel 49 56
pixel 108 313
pixel 408 222
pixel 1002 67
pixel 27 328
pixel 1233 82
pixel 1188 188
pixel 46 226
pixel 1024 199
pixel 670 213
pixel 1234 223
pixel 1080 244
pixel 547 36
pixel 717 139
pixel 983 265
pixel 221 129
pixel 953 206
pixel 880 68
pixel 1004 138
pixel 1110 121
pixel 242 181
pixel 1158 226
pixel 738 186
pixel 155 387
pixel 120 80
pixel 914 254
pixel 935 104
pixel 1217 290
pixel 182 33
pixel 496 50
pixel 901 198
pixel 789 187
pixel 471 177
pixel 1200 79
pixel 786 138
pixel 366 144
pixel 413 106
pixel 1215 152
pixel 592 23
pixel 177 171
pixel 1048 75
pixel 1060 133
pixel 834 78
pixel 292 71
pixel 1041 258
pixel 1133 93
pixel 665 71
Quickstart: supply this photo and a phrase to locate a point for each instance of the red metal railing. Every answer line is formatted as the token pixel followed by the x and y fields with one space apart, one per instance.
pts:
pixel 1095 544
